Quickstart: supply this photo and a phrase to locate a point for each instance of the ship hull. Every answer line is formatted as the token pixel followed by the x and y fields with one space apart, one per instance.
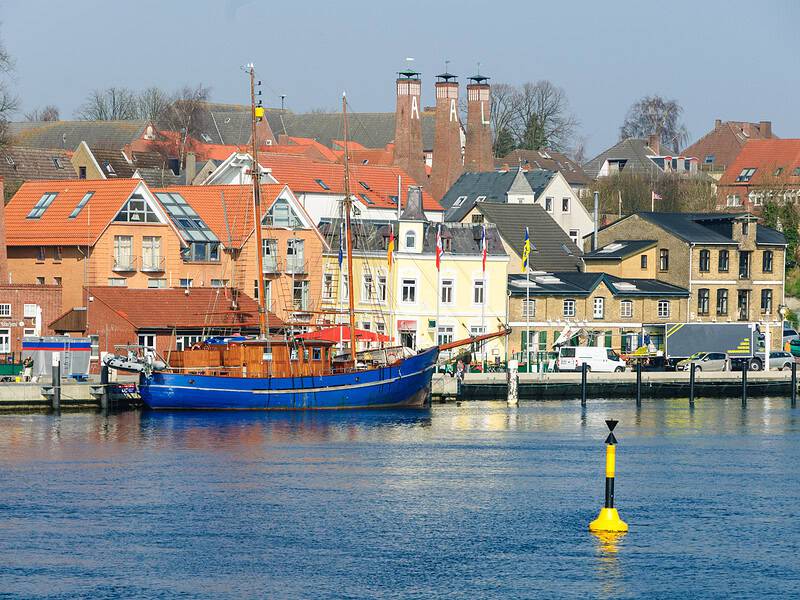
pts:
pixel 404 385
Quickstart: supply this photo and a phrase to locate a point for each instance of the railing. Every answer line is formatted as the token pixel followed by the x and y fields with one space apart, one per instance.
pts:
pixel 124 264
pixel 295 265
pixel 270 264
pixel 154 264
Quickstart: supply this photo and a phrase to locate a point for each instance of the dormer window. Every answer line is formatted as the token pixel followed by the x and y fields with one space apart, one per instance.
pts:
pixel 411 240
pixel 459 201
pixel 57 163
pixel 322 184
pixel 109 169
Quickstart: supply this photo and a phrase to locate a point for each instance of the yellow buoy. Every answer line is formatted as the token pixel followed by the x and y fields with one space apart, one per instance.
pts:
pixel 608 519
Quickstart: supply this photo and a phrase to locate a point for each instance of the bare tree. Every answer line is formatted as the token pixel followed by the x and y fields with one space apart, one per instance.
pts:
pixel 44 114
pixel 152 103
pixel 185 109
pixel 503 108
pixel 578 150
pixel 110 104
pixel 8 100
pixel 656 115
pixel 543 119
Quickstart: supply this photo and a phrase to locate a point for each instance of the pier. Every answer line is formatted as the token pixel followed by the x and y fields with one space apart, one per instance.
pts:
pixel 69 395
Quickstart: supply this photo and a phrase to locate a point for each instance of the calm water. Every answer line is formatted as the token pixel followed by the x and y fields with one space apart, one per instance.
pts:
pixel 472 501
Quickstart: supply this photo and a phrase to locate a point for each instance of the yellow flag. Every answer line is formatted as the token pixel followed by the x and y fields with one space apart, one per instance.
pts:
pixel 390 247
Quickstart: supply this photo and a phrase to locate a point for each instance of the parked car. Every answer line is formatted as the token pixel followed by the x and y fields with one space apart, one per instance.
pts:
pixel 596 358
pixel 705 361
pixel 794 347
pixel 780 360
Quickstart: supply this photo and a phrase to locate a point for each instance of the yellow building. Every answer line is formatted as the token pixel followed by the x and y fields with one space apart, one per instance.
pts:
pixel 403 301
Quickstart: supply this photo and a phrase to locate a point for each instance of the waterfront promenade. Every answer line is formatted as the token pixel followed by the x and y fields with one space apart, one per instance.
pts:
pixel 478 500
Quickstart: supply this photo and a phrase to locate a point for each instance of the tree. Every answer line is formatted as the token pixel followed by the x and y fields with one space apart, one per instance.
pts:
pixel 185 109
pixel 45 114
pixel 543 119
pixel 502 118
pixel 110 104
pixel 784 217
pixel 504 143
pixel 656 115
pixel 152 103
pixel 8 100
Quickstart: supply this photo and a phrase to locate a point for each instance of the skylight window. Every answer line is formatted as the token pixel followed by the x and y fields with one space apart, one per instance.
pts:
pixel 709 159
pixel 364 185
pixel 778 172
pixel 322 184
pixel 206 138
pixel 10 160
pixel 366 199
pixel 480 198
pixel 796 171
pixel 746 175
pixel 459 201
pixel 57 163
pixel 393 199
pixel 41 206
pixel 611 248
pixel 86 197
pixel 109 169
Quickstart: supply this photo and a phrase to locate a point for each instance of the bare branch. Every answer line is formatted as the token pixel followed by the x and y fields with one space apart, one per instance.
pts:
pixel 110 104
pixel 45 114
pixel 656 115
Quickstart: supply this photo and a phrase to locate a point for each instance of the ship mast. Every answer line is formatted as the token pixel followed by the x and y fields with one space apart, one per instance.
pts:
pixel 347 206
pixel 255 114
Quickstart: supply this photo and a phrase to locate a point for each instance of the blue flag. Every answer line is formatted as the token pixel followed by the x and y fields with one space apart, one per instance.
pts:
pixel 341 244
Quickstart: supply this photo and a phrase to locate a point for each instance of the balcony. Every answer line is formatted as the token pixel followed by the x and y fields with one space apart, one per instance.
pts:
pixel 295 265
pixel 270 264
pixel 153 264
pixel 124 264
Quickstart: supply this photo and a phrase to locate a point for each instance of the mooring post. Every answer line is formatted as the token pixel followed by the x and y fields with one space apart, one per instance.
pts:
pixel 692 369
pixel 794 384
pixel 513 383
pixel 584 371
pixel 638 383
pixel 56 375
pixel 744 384
pixel 104 382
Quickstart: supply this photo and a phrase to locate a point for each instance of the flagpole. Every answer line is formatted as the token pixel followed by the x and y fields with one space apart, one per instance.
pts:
pixel 484 243
pixel 527 314
pixel 438 282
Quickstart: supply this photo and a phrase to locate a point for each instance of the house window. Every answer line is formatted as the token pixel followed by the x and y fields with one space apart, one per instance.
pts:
pixel 295 256
pixel 123 253
pixel 269 255
pixel 82 172
pixel 643 261
pixel 744 265
pixel 136 210
pixel 368 287
pixel 40 281
pixel 477 218
pixel 186 282
pixel 743 304
pixel 574 235
pixel 282 215
pixel 156 283
pixel 626 309
pixel 528 308
pixel 569 307
pixel 29 311
pixel 705 261
pixel 709 160
pixel 184 342
pixel 380 327
pixel 722 301
pixel 565 205
pixel 117 282
pixel 478 291
pixel 267 296
pixel 447 291
pixel 42 204
pixel 745 228
pixel 766 302
pixel 723 261
pixel 57 281
pixel 548 204
pixel 41 254
pixel 147 341
pixel 663 309
pixel 5 341
pixel 327 286
pixel 459 201
pixel 382 287
pixel 300 295
pixel 411 240
pixel 94 341
pixel 663 259
pixel 447 244
pixel 58 254
pixel 219 283
pixel 316 354
pixel 444 334
pixel 745 175
pixel 345 287
pixel 733 200
pixel 703 295
pixel 599 307
pixel 409 290
pixel 766 261
pixel 5 310
pixel 151 253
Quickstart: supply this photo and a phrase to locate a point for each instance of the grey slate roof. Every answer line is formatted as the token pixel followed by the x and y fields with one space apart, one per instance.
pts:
pixel 570 283
pixel 161 176
pixel 548 160
pixel 494 185
pixel 552 249
pixel 68 134
pixel 18 163
pixel 635 151
pixel 120 167
pixel 619 249
pixel 371 236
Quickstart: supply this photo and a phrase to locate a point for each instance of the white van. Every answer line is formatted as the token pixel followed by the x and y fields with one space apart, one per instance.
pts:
pixel 598 359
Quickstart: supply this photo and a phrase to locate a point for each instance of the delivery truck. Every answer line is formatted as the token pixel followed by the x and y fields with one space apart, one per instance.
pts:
pixel 740 341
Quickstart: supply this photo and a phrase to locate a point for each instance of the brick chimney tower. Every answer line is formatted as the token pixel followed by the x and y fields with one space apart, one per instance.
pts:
pixel 408 127
pixel 478 154
pixel 447 161
pixel 3 254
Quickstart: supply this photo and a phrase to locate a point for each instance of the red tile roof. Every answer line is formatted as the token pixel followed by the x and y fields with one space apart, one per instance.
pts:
pixel 231 222
pixel 55 227
pixel 174 308
pixel 766 156
pixel 300 174
pixel 322 149
pixel 723 143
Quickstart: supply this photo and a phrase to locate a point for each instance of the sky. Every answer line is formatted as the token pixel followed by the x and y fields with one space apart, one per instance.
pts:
pixel 733 60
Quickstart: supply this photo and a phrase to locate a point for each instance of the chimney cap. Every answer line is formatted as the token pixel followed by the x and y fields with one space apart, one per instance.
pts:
pixel 479 78
pixel 446 76
pixel 409 74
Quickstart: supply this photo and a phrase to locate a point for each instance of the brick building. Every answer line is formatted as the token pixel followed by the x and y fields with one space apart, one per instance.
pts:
pixel 717 149
pixel 448 162
pixel 26 310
